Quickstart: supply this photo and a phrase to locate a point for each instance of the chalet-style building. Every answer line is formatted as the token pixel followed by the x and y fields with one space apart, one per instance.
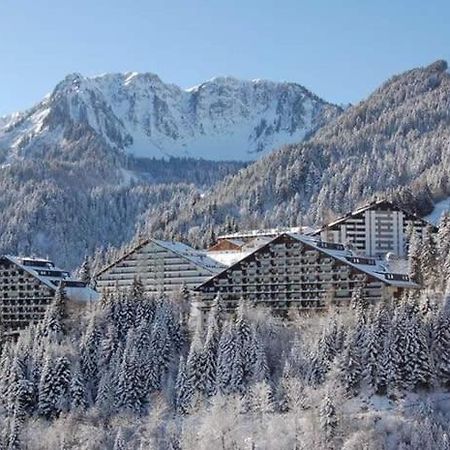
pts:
pixel 375 229
pixel 242 237
pixel 28 285
pixel 298 271
pixel 162 266
pixel 232 247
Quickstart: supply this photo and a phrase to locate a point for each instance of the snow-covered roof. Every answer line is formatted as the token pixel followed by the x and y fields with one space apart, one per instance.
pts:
pixel 47 273
pixel 373 267
pixel 196 257
pixel 264 232
pixel 230 257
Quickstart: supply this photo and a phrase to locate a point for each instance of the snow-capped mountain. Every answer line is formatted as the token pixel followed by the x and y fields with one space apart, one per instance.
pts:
pixel 221 119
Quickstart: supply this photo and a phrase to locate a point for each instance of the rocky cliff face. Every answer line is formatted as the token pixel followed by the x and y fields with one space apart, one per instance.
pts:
pixel 221 119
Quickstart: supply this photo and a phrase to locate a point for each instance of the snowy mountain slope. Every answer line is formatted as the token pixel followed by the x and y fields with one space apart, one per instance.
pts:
pixel 395 143
pixel 224 118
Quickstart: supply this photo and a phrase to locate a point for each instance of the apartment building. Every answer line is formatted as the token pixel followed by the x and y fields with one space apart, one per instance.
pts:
pixel 162 266
pixel 298 271
pixel 28 286
pixel 375 229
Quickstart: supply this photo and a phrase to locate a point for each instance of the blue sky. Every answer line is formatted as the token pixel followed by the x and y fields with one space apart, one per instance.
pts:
pixel 341 50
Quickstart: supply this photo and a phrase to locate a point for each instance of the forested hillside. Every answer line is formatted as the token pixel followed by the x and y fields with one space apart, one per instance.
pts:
pixel 65 208
pixel 129 373
pixel 64 201
pixel 396 144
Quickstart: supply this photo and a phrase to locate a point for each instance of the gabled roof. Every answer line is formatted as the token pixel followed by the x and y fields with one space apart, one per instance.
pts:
pixel 370 266
pixel 192 255
pixel 369 206
pixel 373 267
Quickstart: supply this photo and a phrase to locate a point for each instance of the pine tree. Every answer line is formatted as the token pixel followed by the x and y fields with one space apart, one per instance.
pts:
pixel 429 258
pixel 78 391
pixel 184 300
pixel 328 419
pixel 131 387
pixel 89 350
pixel 108 346
pixel 85 272
pixel 208 384
pixel 441 346
pixel 161 352
pixel 184 389
pixel 418 357
pixel 352 362
pixel 328 344
pixel 195 363
pixel 260 370
pixel 443 238
pixel 125 314
pixel 414 259
pixel 14 435
pixel 53 386
pixel 230 375
pixel 245 343
pixel 53 324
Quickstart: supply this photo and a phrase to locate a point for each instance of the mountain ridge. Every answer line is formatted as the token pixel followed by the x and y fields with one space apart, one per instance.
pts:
pixel 139 114
pixel 394 144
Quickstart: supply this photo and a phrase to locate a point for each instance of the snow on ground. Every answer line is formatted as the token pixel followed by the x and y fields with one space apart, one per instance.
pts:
pixel 439 208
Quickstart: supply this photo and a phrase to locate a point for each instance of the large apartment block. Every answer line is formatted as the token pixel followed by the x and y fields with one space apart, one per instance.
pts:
pixel 298 271
pixel 28 286
pixel 375 229
pixel 162 266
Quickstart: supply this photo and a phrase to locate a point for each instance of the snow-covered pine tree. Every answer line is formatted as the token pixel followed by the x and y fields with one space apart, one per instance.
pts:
pixel 53 324
pixel 208 384
pixel 78 398
pixel 418 356
pixel 260 370
pixel 130 387
pixel 89 352
pixel 230 375
pixel 245 342
pixel 351 362
pixel 108 346
pixel 359 302
pixel 441 346
pixel 125 314
pixel 105 399
pixel 414 258
pixel 443 238
pixel 184 389
pixel 372 357
pixel 184 304
pixel 161 351
pixel 328 419
pixel 429 258
pixel 195 362
pixel 85 271
pixel 328 345
pixel 53 386
pixel 13 438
